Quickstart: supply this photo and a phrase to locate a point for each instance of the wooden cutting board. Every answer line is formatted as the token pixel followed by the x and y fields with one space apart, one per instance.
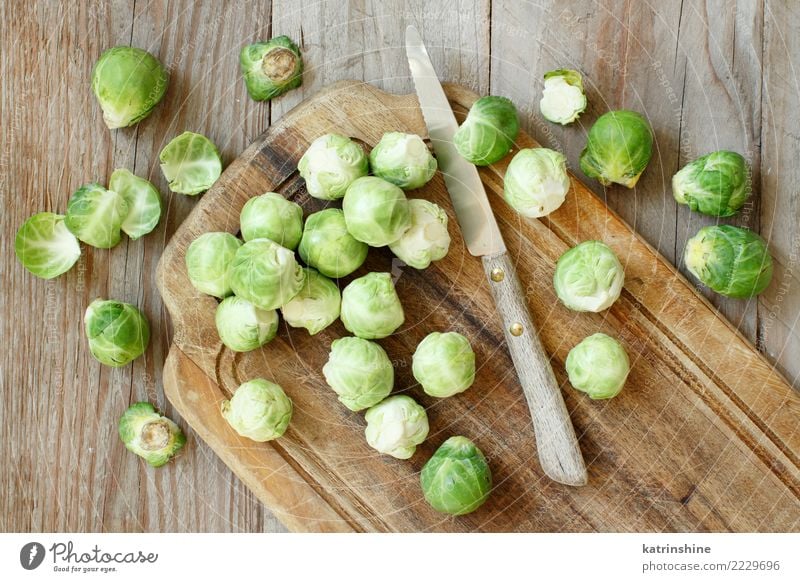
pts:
pixel 704 437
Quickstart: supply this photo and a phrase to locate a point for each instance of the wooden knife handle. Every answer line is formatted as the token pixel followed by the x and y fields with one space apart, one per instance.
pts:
pixel 559 453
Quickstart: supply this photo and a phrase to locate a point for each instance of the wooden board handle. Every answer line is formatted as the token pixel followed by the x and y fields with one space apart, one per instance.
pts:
pixel 559 453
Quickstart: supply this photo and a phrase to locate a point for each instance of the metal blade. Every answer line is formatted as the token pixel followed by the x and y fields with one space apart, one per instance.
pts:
pixel 464 185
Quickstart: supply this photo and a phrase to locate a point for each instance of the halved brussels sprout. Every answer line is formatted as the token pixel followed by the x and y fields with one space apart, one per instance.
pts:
pixel 45 246
pixel 589 277
pixel 143 200
pixel 271 68
pixel 598 366
pixel 427 239
pixel 488 132
pixel 209 260
pixel 536 182
pixel 259 410
pixel 716 184
pixel 563 99
pixel 191 163
pixel 316 306
pixel 274 217
pixel 375 211
pixel 329 247
pixel 266 274
pixel 402 159
pixel 730 260
pixel 242 326
pixel 95 215
pixel 359 371
pixel 457 479
pixel 118 333
pixel 444 364
pixel 146 433
pixel 395 426
pixel 619 148
pixel 331 163
pixel 128 83
pixel 371 308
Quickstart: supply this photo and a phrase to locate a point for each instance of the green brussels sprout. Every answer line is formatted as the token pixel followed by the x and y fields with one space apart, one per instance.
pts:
pixel 488 132
pixel 402 159
pixel 598 365
pixel 359 371
pixel 716 184
pixel 242 326
pixel 427 239
pixel 118 333
pixel 128 83
pixel 191 163
pixel 730 260
pixel 45 246
pixel 274 217
pixel 395 426
pixel 444 364
pixel 317 304
pixel 266 274
pixel 328 246
pixel 142 199
pixel 536 182
pixel 371 308
pixel 146 433
pixel 456 479
pixel 95 215
pixel 208 262
pixel 271 68
pixel 563 99
pixel 619 148
pixel 331 163
pixel 375 211
pixel 259 410
pixel 589 277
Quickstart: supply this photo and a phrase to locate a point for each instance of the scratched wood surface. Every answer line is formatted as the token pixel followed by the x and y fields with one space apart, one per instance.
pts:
pixel 707 74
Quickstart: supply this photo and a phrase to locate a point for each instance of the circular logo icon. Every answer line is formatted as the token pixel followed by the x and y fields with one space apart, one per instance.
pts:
pixel 31 555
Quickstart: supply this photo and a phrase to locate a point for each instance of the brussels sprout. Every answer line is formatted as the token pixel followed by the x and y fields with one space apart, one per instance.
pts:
pixel 274 217
pixel 266 274
pixel 457 479
pixel 259 410
pixel 715 184
pixel 95 215
pixel 331 163
pixel 359 371
pixel 242 326
pixel 427 239
pixel 142 199
pixel 328 246
pixel 488 132
pixel 190 163
pixel 598 366
pixel 45 246
pixel 396 426
pixel 536 182
pixel 146 433
pixel 316 306
pixel 588 277
pixel 375 211
pixel 128 83
pixel 563 99
pixel 271 68
pixel 402 159
pixel 118 333
pixel 444 364
pixel 208 262
pixel 371 308
pixel 729 260
pixel 619 147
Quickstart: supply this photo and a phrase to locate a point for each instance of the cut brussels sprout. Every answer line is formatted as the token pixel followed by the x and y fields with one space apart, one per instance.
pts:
pixel 619 148
pixel 488 132
pixel 730 260
pixel 45 246
pixel 242 326
pixel 375 211
pixel 118 333
pixel 402 159
pixel 536 182
pixel 427 239
pixel 588 277
pixel 316 306
pixel 457 479
pixel 95 215
pixel 128 83
pixel 359 371
pixel 716 184
pixel 371 308
pixel 190 163
pixel 329 247
pixel 146 433
pixel 563 99
pixel 274 217
pixel 266 274
pixel 444 364
pixel 142 199
pixel 396 426
pixel 259 410
pixel 271 68
pixel 331 163
pixel 209 260
pixel 598 366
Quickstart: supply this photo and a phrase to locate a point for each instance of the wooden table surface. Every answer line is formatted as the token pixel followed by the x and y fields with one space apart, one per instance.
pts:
pixel 708 75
